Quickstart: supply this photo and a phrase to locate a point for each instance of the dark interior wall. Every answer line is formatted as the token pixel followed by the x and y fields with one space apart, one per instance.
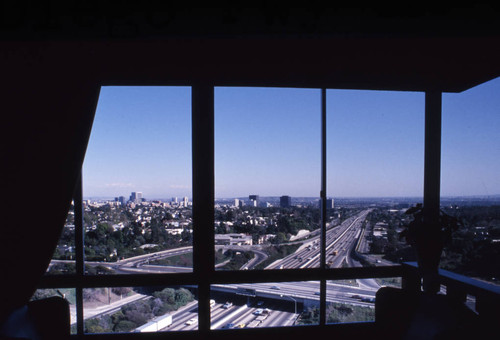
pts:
pixel 52 68
pixel 47 108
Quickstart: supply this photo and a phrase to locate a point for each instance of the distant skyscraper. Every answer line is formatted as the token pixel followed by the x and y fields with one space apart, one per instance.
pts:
pixel 329 203
pixel 136 197
pixel 254 200
pixel 285 201
pixel 236 202
pixel 174 199
pixel 185 200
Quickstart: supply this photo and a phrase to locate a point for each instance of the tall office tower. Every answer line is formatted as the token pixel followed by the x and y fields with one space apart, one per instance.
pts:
pixel 136 197
pixel 254 200
pixel 285 201
pixel 236 202
pixel 329 203
pixel 122 200
pixel 133 197
pixel 185 201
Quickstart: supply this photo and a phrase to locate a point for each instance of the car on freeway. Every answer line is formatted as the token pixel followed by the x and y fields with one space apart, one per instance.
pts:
pixel 229 325
pixel 191 321
pixel 227 305
pixel 258 311
pixel 275 287
pixel 317 293
pixel 260 303
pixel 241 325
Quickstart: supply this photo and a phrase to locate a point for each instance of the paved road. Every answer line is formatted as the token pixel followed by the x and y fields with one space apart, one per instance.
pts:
pixel 341 239
pixel 104 308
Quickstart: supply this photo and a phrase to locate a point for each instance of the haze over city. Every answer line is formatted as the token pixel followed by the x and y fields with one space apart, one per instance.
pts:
pixel 267 142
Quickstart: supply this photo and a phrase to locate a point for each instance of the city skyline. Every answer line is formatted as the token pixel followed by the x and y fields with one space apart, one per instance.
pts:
pixel 267 141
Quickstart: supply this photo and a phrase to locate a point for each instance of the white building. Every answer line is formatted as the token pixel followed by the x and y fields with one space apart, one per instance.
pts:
pixel 233 239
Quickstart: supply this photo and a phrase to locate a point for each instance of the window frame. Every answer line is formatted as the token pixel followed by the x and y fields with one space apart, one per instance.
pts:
pixel 203 174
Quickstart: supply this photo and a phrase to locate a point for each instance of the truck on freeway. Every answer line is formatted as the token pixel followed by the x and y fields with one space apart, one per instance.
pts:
pixel 156 324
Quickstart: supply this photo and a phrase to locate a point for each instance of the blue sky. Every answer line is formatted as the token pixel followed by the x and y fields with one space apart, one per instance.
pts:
pixel 267 142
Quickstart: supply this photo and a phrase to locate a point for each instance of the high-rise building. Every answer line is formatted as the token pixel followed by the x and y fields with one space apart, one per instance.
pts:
pixel 253 197
pixel 254 200
pixel 329 203
pixel 185 201
pixel 236 202
pixel 285 201
pixel 174 199
pixel 136 197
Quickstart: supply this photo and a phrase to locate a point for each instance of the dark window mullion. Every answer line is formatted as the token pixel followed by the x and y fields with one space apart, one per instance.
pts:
pixel 432 176
pixel 79 252
pixel 322 304
pixel 203 197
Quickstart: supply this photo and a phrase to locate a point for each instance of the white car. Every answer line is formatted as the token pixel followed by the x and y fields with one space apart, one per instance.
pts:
pixel 258 311
pixel 191 321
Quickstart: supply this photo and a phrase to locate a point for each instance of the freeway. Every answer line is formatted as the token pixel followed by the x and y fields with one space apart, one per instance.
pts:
pixel 281 311
pixel 305 290
pixel 103 309
pixel 141 263
pixel 237 315
pixel 339 243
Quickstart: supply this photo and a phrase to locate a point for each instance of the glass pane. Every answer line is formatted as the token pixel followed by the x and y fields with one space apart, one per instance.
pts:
pixel 470 184
pixel 375 152
pixel 263 304
pixel 63 259
pixel 354 300
pixel 66 293
pixel 137 182
pixel 139 309
pixel 267 177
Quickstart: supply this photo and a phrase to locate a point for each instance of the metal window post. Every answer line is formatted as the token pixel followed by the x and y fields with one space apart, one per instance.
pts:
pixel 322 289
pixel 429 257
pixel 203 197
pixel 432 165
pixel 79 252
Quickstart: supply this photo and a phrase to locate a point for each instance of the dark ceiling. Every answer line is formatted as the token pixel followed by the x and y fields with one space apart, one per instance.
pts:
pixel 149 42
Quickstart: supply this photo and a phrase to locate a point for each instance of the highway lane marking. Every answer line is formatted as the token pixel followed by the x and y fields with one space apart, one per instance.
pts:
pixel 226 318
pixel 336 240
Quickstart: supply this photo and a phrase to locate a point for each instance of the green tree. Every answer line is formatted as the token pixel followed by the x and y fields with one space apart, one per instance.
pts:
pixel 183 296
